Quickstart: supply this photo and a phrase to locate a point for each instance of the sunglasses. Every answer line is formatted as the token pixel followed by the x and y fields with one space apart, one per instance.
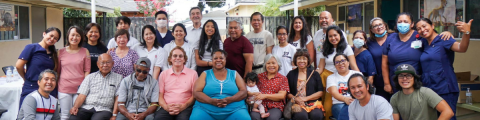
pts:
pixel 140 71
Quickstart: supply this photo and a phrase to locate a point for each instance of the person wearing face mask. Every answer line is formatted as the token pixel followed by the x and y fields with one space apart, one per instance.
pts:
pixel 194 31
pixel 362 56
pixel 164 35
pixel 437 59
pixel 402 48
pixel 122 22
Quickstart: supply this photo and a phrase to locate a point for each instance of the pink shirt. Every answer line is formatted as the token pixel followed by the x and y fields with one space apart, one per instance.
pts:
pixel 177 88
pixel 72 67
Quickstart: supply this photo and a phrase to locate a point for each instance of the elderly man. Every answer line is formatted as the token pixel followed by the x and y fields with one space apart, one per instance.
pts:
pixel 262 41
pixel 97 93
pixel 325 20
pixel 239 49
pixel 194 31
pixel 122 22
pixel 40 105
pixel 138 93
pixel 366 106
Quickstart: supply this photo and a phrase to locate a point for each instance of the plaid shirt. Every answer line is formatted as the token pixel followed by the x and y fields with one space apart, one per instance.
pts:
pixel 272 86
pixel 100 91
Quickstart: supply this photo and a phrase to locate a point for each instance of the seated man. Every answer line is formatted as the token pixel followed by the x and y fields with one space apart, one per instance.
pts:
pixel 138 93
pixel 366 106
pixel 97 96
pixel 40 105
pixel 414 102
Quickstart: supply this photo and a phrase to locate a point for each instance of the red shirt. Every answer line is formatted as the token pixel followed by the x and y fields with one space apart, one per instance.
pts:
pixel 272 86
pixel 235 50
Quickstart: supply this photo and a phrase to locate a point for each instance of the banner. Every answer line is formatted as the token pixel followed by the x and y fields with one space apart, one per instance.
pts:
pixel 7 17
pixel 441 12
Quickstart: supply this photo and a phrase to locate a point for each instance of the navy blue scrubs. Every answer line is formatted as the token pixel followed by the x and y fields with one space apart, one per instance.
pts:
pixel 376 50
pixel 400 52
pixel 365 63
pixel 437 65
pixel 37 61
pixel 165 39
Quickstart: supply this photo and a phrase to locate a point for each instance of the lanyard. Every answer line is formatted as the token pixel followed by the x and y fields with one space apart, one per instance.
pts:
pixel 49 106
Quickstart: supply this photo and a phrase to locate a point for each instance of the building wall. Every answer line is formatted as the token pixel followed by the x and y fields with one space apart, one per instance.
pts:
pixel 468 61
pixel 244 10
pixel 55 19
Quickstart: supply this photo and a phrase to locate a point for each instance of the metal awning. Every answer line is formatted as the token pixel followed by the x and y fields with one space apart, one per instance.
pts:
pixel 303 4
pixel 73 4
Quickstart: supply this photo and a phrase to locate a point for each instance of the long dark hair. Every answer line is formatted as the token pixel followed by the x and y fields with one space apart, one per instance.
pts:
pixel 52 48
pixel 428 21
pixel 411 20
pixel 89 27
pixel 79 31
pixel 328 47
pixel 214 44
pixel 183 27
pixel 304 33
pixel 144 43
pixel 417 84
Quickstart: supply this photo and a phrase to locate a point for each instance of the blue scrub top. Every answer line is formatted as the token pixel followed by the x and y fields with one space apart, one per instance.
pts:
pixel 437 65
pixel 376 50
pixel 164 40
pixel 37 61
pixel 365 63
pixel 399 52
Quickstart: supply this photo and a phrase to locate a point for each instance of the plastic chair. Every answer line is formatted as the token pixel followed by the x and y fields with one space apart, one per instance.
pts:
pixel 5 69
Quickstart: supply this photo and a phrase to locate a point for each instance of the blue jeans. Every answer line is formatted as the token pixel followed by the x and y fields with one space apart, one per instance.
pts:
pixel 120 116
pixel 340 111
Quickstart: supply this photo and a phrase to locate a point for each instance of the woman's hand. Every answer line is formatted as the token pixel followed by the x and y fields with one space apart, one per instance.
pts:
pixel 388 88
pixel 348 100
pixel 464 27
pixel 260 97
pixel 300 100
pixel 446 35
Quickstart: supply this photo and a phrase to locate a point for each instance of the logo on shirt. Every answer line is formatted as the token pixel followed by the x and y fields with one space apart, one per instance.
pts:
pixel 342 88
pixel 285 54
pixel 294 44
pixel 256 41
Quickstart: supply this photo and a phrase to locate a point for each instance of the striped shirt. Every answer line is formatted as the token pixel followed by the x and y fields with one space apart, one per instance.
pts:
pixel 37 107
pixel 100 91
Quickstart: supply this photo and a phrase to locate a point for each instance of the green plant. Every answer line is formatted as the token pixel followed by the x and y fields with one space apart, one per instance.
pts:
pixel 150 7
pixel 272 8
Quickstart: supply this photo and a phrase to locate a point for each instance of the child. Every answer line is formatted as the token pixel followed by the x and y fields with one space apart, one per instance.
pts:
pixel 251 81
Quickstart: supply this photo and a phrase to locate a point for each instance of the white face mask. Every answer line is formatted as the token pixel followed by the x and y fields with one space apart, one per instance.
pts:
pixel 358 43
pixel 161 23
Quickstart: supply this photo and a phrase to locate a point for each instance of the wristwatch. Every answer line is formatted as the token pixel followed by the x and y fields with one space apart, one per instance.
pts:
pixel 115 115
pixel 467 33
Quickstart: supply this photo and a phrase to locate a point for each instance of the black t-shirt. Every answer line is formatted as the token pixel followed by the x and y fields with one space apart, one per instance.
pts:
pixel 95 51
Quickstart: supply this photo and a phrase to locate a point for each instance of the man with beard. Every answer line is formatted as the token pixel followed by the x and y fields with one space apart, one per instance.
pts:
pixel 40 105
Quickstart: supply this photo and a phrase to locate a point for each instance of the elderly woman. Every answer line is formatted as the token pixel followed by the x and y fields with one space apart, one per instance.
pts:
pixel 306 88
pixel 273 87
pixel 123 57
pixel 337 86
pixel 176 100
pixel 220 93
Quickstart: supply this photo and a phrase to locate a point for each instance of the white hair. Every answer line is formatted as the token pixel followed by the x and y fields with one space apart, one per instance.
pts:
pixel 239 23
pixel 279 62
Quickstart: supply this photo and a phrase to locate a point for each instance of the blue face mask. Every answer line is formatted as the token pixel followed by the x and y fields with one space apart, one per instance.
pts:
pixel 403 27
pixel 381 35
pixel 358 43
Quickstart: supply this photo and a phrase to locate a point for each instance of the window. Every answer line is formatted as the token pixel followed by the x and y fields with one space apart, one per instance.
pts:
pixel 356 17
pixel 471 12
pixel 14 22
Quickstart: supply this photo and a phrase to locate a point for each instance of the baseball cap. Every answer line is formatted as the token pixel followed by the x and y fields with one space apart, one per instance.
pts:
pixel 406 68
pixel 144 59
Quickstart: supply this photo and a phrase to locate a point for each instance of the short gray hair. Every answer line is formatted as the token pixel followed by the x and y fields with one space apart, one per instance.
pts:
pixel 279 61
pixel 239 23
pixel 40 76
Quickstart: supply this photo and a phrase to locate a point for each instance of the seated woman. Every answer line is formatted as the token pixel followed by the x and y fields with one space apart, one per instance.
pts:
pixel 273 87
pixel 337 86
pixel 305 93
pixel 363 57
pixel 220 93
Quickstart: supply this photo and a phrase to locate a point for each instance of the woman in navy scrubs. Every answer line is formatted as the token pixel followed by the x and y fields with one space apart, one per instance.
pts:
pixel 437 60
pixel 402 48
pixel 38 57
pixel 379 31
pixel 362 55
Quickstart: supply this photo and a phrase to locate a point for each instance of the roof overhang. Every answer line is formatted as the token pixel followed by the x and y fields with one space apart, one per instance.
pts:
pixel 303 4
pixel 64 4
pixel 243 4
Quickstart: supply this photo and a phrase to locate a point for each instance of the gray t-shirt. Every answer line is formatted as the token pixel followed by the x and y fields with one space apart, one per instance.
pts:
pixel 138 95
pixel 377 108
pixel 419 105
pixel 260 41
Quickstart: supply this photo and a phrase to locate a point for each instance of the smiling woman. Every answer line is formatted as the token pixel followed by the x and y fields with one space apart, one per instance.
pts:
pixel 123 57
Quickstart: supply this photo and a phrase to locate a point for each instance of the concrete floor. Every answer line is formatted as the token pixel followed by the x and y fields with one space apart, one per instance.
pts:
pixel 465 114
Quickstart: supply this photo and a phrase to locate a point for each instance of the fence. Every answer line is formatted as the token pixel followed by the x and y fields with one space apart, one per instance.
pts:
pixel 108 26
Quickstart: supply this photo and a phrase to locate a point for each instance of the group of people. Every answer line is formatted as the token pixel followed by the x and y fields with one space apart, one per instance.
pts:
pixel 175 75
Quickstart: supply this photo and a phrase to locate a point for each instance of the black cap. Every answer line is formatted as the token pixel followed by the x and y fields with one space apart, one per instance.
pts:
pixel 144 59
pixel 406 68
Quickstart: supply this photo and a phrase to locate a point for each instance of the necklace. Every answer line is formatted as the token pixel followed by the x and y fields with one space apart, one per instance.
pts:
pixel 49 106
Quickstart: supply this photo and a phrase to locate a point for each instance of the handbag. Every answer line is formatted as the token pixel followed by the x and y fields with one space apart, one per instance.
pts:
pixel 287 110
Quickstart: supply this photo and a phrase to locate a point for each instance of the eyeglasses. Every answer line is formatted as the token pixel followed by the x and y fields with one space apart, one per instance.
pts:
pixel 144 72
pixel 378 26
pixel 177 56
pixel 340 61
pixel 408 76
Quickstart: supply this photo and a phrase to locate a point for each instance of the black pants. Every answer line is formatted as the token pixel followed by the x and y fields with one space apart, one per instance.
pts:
pixel 275 114
pixel 315 114
pixel 92 114
pixel 200 69
pixel 164 115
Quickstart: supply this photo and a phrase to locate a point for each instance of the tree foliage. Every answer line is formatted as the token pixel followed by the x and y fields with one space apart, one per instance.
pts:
pixel 272 8
pixel 68 12
pixel 150 7
pixel 212 4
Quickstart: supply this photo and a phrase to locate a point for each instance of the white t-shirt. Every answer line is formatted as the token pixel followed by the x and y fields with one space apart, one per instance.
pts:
pixel 377 108
pixel 207 56
pixel 190 63
pixel 286 54
pixel 253 89
pixel 318 41
pixel 329 65
pixel 157 56
pixel 131 42
pixel 341 83
pixel 193 35
pixel 297 44
pixel 260 41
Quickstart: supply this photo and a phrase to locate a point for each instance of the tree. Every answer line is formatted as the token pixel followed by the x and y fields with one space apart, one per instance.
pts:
pixel 150 7
pixel 272 8
pixel 212 4
pixel 68 12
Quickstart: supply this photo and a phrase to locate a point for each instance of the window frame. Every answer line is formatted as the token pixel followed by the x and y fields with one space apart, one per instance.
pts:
pixel 18 29
pixel 346 12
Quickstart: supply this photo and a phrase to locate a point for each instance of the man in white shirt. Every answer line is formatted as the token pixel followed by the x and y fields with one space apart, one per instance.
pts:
pixel 122 22
pixel 366 106
pixel 194 32
pixel 262 42
pixel 325 20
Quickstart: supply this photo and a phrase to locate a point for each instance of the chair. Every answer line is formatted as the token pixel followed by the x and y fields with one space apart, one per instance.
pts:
pixel 5 69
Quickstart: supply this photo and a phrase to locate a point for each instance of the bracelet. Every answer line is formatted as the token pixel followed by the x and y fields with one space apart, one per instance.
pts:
pixel 114 115
pixel 121 104
pixel 154 105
